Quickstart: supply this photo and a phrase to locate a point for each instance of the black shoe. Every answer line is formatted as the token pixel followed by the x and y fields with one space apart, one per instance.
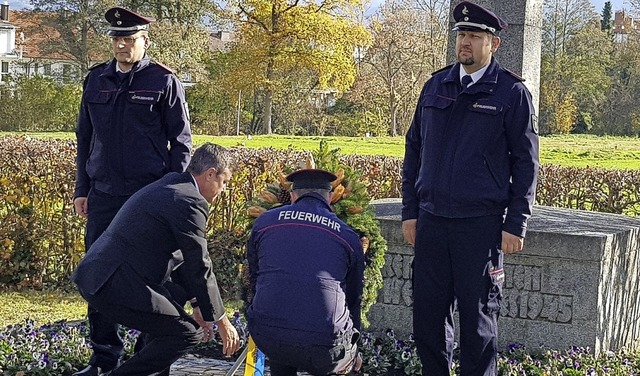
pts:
pixel 89 371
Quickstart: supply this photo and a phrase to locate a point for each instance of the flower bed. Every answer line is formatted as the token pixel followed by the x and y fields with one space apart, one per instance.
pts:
pixel 61 348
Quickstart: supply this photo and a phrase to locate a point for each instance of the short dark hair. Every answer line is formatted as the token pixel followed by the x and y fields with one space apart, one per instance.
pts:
pixel 207 156
pixel 305 191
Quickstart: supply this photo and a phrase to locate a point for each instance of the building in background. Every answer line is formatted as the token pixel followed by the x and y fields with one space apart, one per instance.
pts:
pixel 623 26
pixel 8 52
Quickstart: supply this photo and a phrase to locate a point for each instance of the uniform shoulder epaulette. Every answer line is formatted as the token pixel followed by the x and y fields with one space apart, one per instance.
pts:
pixel 94 66
pixel 169 70
pixel 442 69
pixel 514 74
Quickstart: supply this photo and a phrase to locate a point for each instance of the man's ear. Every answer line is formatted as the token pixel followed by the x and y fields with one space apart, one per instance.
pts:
pixel 495 43
pixel 293 196
pixel 212 173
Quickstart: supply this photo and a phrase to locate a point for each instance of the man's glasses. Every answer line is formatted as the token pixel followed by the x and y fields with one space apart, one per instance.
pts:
pixel 125 40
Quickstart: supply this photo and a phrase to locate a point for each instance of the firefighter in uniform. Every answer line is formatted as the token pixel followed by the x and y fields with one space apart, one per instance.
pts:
pixel 306 270
pixel 133 128
pixel 468 186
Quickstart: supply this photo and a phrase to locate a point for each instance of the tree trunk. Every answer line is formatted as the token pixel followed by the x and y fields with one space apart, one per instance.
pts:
pixel 266 115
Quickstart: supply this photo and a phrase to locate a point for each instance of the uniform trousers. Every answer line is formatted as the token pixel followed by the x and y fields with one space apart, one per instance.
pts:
pixel 286 359
pixel 169 332
pixel 457 261
pixel 103 333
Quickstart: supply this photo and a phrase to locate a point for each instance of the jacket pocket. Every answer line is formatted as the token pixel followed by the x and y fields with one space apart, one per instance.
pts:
pixel 436 101
pixel 493 171
pixel 98 97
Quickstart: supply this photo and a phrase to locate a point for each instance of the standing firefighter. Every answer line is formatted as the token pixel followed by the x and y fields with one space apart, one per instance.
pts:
pixel 133 128
pixel 468 186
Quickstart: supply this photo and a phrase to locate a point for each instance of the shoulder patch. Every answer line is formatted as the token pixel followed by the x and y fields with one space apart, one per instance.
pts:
pixel 94 66
pixel 442 69
pixel 515 75
pixel 169 70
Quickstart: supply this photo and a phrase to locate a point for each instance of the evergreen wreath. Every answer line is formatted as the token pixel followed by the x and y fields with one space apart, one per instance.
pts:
pixel 350 202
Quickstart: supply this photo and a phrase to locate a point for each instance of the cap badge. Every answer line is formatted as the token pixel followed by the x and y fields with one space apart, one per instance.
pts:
pixel 466 18
pixel 465 11
pixel 117 14
pixel 119 22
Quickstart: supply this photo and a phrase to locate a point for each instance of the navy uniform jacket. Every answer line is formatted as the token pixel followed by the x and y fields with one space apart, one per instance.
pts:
pixel 472 153
pixel 306 268
pixel 133 132
pixel 137 248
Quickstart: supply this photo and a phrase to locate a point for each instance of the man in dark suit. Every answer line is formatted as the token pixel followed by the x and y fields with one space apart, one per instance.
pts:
pixel 123 273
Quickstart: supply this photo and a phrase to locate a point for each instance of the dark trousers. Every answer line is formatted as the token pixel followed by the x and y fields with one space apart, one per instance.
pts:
pixel 287 359
pixel 167 337
pixel 457 260
pixel 103 333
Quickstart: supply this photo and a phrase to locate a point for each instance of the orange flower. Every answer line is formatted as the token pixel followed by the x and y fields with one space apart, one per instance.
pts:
pixel 255 211
pixel 269 197
pixel 337 193
pixel 340 177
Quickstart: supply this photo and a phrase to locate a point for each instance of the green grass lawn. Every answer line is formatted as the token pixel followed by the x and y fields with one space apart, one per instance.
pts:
pixel 41 306
pixel 563 150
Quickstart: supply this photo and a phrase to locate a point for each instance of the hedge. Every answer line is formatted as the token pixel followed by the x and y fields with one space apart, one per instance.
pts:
pixel 41 239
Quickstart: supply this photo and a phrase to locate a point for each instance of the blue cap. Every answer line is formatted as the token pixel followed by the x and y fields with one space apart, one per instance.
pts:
pixel 125 22
pixel 311 179
pixel 472 17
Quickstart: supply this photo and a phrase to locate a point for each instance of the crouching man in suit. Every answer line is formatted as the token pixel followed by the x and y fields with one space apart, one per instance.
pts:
pixel 123 273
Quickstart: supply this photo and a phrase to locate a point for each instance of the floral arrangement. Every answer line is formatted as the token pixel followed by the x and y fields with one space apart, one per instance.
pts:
pixel 350 202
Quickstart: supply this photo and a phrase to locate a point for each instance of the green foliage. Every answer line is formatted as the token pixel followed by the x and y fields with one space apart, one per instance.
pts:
pixel 350 202
pixel 41 239
pixel 39 104
pixel 354 208
pixel 606 17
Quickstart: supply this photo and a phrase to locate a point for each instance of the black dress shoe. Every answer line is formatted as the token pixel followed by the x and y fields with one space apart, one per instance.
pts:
pixel 89 371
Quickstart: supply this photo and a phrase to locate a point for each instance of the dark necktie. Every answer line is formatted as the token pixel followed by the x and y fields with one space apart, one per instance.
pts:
pixel 466 80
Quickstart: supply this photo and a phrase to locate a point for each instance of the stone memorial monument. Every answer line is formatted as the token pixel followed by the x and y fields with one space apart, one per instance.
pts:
pixel 575 284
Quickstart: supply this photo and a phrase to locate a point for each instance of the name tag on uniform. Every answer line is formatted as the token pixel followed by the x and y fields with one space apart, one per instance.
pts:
pixel 486 107
pixel 144 97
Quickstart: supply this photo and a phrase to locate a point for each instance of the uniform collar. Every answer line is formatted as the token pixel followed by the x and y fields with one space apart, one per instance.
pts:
pixel 489 77
pixel 312 196
pixel 112 67
pixel 475 76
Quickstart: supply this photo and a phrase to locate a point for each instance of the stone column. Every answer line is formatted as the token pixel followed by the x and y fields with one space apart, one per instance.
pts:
pixel 521 40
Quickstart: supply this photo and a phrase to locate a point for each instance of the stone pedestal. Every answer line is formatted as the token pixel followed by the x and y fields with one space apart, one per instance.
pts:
pixel 575 284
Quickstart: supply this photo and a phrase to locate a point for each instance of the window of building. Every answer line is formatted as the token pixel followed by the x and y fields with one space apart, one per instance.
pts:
pixel 47 69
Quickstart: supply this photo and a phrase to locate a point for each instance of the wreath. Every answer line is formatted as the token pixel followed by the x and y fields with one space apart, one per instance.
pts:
pixel 350 202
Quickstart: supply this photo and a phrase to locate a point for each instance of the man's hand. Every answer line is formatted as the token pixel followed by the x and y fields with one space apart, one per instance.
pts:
pixel 358 365
pixel 511 243
pixel 229 335
pixel 409 231
pixel 80 206
pixel 197 315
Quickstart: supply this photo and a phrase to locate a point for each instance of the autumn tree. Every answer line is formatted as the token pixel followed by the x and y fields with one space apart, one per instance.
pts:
pixel 73 29
pixel 278 38
pixel 575 60
pixel 180 38
pixel 409 42
pixel 620 112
